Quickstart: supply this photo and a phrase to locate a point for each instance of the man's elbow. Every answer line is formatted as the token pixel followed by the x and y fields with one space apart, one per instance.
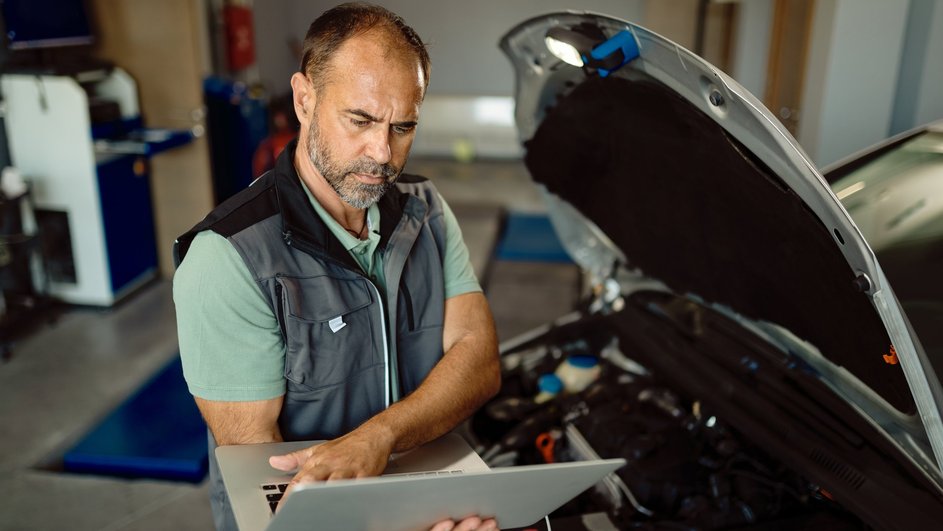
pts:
pixel 495 386
pixel 493 374
pixel 248 422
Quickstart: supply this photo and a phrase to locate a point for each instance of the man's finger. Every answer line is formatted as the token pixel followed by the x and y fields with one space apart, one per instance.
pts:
pixel 469 524
pixel 444 525
pixel 310 474
pixel 283 462
pixel 289 462
pixel 341 474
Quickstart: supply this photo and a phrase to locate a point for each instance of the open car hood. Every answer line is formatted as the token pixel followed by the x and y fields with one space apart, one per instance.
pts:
pixel 668 167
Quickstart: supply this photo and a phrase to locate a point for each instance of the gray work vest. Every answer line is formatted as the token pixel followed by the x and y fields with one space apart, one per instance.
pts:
pixel 336 377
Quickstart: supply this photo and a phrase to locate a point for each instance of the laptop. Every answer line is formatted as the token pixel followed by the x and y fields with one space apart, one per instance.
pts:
pixel 440 480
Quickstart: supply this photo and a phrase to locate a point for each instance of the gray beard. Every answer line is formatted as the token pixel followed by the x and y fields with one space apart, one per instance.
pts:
pixel 347 186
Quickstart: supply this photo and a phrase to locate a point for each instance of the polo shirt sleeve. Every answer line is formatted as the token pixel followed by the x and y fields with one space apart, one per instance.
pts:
pixel 458 273
pixel 230 343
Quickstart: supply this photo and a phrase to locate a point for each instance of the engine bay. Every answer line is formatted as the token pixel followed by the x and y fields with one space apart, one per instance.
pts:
pixel 688 468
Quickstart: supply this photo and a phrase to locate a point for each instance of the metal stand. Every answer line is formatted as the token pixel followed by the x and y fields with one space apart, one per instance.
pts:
pixel 23 280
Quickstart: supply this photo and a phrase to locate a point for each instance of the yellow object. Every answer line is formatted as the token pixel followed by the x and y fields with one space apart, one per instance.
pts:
pixel 463 150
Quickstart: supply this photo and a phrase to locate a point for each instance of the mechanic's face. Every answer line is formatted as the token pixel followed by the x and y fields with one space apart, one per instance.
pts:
pixel 362 122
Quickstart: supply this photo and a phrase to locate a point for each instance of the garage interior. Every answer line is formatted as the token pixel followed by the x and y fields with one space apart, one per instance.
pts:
pixel 73 358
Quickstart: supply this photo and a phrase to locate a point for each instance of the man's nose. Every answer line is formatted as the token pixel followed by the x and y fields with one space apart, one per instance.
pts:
pixel 378 144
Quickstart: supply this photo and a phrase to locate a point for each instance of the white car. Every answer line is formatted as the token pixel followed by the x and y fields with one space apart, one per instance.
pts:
pixel 757 368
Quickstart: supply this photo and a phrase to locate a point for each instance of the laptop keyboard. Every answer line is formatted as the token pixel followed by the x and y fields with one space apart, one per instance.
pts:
pixel 274 491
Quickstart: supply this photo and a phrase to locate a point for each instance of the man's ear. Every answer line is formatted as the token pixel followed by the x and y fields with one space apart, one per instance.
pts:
pixel 303 96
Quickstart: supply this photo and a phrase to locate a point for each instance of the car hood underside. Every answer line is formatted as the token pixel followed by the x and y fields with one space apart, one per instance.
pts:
pixel 690 206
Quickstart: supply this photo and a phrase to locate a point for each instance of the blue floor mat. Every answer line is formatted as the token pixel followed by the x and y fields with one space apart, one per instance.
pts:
pixel 530 238
pixel 156 433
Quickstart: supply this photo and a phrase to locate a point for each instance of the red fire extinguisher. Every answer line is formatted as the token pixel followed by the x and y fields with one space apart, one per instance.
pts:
pixel 240 40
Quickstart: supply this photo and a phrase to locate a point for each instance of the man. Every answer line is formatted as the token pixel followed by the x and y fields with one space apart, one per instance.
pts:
pixel 325 301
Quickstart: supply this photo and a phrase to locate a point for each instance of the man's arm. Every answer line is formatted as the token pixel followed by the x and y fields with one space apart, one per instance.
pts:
pixel 466 376
pixel 230 343
pixel 242 422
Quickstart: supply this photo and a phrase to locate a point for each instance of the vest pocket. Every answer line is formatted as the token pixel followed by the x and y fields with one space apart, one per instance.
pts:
pixel 332 411
pixel 330 324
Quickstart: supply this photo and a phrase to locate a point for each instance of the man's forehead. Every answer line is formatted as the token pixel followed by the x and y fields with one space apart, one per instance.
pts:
pixel 377 49
pixel 360 77
pixel 375 103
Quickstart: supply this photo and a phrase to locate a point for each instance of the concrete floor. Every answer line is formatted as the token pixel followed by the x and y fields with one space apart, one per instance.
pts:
pixel 70 374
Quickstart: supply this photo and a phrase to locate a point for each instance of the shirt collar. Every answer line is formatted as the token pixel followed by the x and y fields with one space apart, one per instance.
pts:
pixel 346 239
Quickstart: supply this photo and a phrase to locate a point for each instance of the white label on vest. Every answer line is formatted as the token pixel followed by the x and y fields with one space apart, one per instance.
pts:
pixel 337 323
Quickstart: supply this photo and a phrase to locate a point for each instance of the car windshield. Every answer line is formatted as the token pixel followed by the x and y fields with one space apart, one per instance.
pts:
pixel 896 199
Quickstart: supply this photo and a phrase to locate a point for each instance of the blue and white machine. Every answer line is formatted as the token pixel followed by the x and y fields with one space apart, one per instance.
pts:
pixel 79 140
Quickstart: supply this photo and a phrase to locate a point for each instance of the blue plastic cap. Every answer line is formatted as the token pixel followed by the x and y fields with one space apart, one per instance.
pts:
pixel 583 362
pixel 624 41
pixel 550 383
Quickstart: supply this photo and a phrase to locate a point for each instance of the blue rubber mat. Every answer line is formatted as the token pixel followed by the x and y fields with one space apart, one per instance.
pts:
pixel 156 433
pixel 530 238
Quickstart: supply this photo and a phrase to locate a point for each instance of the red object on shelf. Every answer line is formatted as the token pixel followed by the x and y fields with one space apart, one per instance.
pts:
pixel 240 39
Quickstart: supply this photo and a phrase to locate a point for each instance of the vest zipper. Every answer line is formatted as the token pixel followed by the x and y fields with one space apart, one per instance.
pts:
pixel 386 350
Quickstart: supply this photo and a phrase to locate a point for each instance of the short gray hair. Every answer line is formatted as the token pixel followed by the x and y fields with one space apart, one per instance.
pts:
pixel 329 31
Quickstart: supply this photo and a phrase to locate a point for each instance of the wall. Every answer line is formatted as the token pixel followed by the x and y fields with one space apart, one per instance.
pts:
pixel 850 87
pixel 751 53
pixel 930 101
pixel 920 80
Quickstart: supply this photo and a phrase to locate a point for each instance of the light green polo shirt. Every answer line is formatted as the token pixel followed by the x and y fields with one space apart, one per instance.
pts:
pixel 230 342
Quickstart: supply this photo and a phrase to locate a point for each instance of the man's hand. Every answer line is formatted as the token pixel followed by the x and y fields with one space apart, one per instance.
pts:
pixel 361 453
pixel 472 523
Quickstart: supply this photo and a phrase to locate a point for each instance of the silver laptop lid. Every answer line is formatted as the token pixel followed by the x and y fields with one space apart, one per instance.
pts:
pixel 515 496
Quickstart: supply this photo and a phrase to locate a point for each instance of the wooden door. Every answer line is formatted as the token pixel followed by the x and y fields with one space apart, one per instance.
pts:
pixel 164 45
pixel 788 57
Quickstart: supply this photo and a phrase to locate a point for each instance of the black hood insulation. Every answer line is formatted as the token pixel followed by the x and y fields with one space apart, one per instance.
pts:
pixel 691 206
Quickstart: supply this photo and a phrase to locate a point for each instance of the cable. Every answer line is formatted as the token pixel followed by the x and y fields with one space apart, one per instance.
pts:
pixel 41 88
pixel 547 520
pixel 628 494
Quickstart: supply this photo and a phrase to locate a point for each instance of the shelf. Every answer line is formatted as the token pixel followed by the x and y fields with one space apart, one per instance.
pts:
pixel 144 142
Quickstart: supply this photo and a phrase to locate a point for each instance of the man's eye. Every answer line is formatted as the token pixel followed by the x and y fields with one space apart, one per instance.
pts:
pixel 402 129
pixel 360 123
